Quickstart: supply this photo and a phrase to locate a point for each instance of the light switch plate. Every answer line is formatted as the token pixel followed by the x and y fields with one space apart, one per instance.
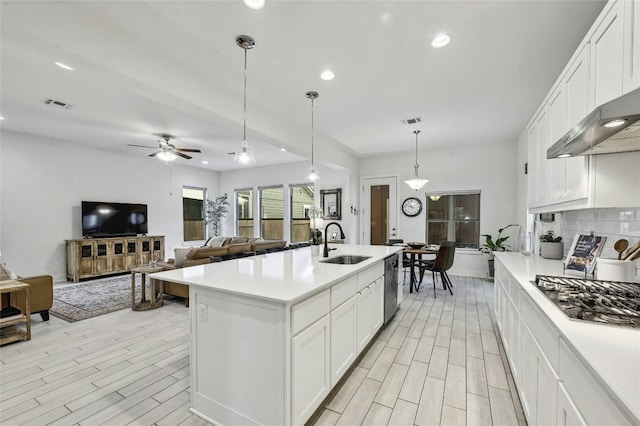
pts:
pixel 202 313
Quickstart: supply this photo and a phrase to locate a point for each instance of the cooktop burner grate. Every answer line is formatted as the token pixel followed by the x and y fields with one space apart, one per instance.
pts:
pixel 604 302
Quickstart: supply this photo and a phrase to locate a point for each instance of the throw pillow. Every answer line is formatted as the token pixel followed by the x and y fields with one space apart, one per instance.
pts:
pixel 239 240
pixel 180 256
pixel 6 272
pixel 216 242
pixel 206 243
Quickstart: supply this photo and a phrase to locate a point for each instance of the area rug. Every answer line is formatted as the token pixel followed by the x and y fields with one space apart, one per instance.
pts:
pixel 87 300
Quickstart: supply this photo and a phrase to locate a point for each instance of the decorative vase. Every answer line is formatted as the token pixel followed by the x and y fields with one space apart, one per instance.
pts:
pixel 551 250
pixel 315 250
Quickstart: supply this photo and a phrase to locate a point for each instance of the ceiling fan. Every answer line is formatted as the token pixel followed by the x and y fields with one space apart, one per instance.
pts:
pixel 167 151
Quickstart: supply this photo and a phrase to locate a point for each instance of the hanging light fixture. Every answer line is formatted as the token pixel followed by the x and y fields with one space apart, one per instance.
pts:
pixel 416 183
pixel 166 156
pixel 313 174
pixel 434 197
pixel 245 156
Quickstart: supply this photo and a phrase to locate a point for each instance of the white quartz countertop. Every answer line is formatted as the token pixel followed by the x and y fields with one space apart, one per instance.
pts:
pixel 286 276
pixel 613 352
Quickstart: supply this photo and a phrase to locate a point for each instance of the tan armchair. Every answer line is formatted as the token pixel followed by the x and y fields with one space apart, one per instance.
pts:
pixel 40 295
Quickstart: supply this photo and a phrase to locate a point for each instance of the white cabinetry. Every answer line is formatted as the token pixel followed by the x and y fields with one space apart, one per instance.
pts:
pixel 377 304
pixel 605 66
pixel 555 385
pixel 344 322
pixel 607 58
pixel 310 369
pixel 370 312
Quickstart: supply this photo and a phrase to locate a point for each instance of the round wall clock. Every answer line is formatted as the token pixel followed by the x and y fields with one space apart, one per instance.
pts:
pixel 411 206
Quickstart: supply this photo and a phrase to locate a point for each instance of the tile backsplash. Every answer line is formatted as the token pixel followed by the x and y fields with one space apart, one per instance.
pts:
pixel 614 224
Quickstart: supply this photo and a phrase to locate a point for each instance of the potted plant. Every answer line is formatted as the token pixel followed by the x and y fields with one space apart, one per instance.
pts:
pixel 492 246
pixel 551 247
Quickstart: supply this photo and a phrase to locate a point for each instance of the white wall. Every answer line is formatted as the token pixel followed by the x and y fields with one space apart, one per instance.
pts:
pixel 490 169
pixel 43 182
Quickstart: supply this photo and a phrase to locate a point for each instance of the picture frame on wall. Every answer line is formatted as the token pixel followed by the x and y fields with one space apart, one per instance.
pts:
pixel 331 203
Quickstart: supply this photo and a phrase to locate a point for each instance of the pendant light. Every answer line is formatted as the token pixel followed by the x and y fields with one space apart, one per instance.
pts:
pixel 416 183
pixel 313 174
pixel 245 156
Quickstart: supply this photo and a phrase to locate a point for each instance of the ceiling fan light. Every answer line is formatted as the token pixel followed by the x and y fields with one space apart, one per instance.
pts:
pixel 416 184
pixel 167 156
pixel 244 156
pixel 254 4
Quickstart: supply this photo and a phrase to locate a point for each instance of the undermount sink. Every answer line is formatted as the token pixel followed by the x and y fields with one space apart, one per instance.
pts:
pixel 345 259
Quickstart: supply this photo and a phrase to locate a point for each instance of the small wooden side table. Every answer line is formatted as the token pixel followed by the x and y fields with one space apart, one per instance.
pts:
pixel 16 333
pixel 154 302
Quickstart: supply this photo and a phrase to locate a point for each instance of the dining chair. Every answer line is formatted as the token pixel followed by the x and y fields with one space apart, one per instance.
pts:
pixel 441 264
pixel 406 261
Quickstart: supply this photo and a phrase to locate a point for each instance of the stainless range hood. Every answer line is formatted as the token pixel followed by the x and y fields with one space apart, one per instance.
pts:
pixel 595 133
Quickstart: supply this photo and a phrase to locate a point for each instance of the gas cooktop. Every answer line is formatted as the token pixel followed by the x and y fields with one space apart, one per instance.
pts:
pixel 604 302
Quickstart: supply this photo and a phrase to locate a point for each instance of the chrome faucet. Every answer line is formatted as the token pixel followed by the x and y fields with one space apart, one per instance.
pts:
pixel 326 240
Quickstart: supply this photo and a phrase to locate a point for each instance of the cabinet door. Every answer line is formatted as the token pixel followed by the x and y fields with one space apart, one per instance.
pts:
pixel 631 46
pixel 311 376
pixel 343 339
pixel 577 88
pixel 557 129
pixel 532 160
pixel 547 391
pixel 131 254
pixel 607 61
pixel 513 355
pixel 364 317
pixel 145 250
pixel 101 260
pixel 568 414
pixel 377 304
pixel 87 253
pixel 529 376
pixel 118 256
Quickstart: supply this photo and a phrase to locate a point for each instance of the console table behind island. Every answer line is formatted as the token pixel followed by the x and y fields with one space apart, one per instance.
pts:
pixel 567 372
pixel 272 334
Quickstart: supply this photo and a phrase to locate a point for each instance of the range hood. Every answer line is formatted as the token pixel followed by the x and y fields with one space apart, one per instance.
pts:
pixel 598 133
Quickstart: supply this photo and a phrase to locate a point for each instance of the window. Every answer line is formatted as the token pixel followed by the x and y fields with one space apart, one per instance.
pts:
pixel 453 217
pixel 193 224
pixel 272 213
pixel 301 203
pixel 244 213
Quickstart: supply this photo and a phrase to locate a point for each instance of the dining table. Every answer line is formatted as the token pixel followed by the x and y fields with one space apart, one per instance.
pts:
pixel 415 255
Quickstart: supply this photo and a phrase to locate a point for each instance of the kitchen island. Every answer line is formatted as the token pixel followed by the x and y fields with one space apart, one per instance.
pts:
pixel 566 371
pixel 272 334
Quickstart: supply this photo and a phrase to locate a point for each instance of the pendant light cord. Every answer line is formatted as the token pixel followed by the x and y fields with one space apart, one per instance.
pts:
pixel 244 134
pixel 416 165
pixel 312 162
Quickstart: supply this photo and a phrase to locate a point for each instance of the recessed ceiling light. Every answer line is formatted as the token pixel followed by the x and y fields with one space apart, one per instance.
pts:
pixel 64 66
pixel 564 155
pixel 615 123
pixel 1 117
pixel 327 75
pixel 205 162
pixel 254 4
pixel 283 150
pixel 441 40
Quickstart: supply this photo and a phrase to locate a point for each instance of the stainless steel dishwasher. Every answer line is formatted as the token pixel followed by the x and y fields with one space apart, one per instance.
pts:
pixel 390 287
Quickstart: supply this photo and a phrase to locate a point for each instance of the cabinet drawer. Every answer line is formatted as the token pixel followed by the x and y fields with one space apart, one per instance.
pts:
pixel 305 313
pixel 591 401
pixel 343 291
pixel 368 276
pixel 543 332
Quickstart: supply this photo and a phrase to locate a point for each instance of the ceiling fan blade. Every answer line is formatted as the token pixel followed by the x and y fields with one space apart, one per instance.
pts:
pixel 188 150
pixel 142 146
pixel 182 155
pixel 154 154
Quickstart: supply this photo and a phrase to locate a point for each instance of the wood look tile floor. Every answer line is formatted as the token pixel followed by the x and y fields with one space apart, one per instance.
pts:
pixel 438 362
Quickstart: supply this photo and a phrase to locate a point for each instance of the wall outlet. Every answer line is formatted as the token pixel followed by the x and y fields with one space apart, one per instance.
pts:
pixel 202 313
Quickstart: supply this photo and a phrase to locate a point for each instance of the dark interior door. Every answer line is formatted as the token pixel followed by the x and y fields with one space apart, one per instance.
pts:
pixel 379 214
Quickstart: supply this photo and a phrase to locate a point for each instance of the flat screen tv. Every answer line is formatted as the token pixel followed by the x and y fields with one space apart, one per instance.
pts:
pixel 100 219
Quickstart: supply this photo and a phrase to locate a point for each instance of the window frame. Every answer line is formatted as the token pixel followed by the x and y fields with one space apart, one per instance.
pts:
pixel 451 220
pixel 292 219
pixel 236 212
pixel 205 194
pixel 261 205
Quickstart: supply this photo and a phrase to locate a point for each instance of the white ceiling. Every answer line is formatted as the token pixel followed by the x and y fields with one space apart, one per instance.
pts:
pixel 150 67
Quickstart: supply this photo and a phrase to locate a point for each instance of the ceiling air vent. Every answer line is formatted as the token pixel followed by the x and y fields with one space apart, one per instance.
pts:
pixel 57 103
pixel 412 120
